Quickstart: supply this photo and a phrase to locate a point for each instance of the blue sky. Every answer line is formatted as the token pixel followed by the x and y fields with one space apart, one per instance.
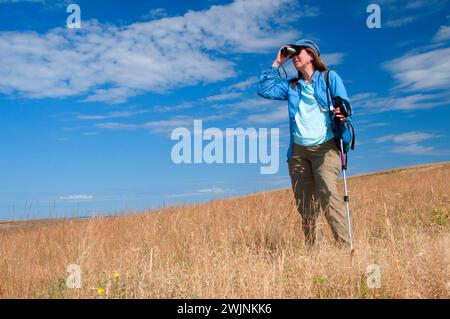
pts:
pixel 86 114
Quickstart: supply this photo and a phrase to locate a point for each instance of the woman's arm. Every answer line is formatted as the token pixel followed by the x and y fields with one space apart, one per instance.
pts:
pixel 271 86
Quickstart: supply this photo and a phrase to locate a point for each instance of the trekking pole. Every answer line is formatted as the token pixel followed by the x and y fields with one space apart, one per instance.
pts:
pixel 344 172
pixel 346 111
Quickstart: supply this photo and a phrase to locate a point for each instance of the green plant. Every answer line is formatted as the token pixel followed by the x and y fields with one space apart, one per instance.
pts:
pixel 362 291
pixel 440 217
pixel 58 289
pixel 321 287
pixel 111 286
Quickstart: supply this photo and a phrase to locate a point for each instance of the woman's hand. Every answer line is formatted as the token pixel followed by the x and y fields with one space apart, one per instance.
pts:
pixel 339 115
pixel 281 59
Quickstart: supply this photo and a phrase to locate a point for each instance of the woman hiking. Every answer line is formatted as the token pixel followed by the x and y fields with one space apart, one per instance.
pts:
pixel 313 157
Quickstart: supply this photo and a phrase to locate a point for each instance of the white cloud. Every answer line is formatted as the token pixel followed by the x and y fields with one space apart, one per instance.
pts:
pixel 443 34
pixel 17 1
pixel 205 191
pixel 410 144
pixel 395 23
pixel 361 97
pixel 112 95
pixel 370 124
pixel 110 64
pixel 215 191
pixel 423 79
pixel 165 126
pixel 156 13
pixel 176 107
pixel 417 4
pixel 408 138
pixel 110 115
pixel 414 149
pixel 277 114
pixel 224 96
pixel 49 4
pixel 254 105
pixel 77 197
pixel 399 13
pixel 117 126
pixel 333 58
pixel 243 85
pixel 425 71
pixel 372 103
pixel 261 111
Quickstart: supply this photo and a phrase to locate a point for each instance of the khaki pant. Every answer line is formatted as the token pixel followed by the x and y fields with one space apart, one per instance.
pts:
pixel 314 171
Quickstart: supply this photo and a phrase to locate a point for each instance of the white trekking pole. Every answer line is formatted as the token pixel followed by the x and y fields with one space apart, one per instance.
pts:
pixel 346 197
pixel 346 111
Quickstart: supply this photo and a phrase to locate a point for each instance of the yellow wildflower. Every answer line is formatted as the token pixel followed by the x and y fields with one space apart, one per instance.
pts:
pixel 101 291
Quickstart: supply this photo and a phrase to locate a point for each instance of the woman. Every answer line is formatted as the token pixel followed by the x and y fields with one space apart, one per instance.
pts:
pixel 313 157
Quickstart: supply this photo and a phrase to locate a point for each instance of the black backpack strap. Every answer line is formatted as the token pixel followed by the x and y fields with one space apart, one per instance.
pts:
pixel 348 124
pixel 353 135
pixel 327 81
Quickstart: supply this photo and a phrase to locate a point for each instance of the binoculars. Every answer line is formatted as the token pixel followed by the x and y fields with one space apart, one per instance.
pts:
pixel 343 105
pixel 290 50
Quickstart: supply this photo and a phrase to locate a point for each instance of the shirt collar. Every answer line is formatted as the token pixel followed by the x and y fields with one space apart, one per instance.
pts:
pixel 314 78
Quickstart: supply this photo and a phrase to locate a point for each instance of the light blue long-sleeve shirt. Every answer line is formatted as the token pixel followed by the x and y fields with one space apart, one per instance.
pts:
pixel 312 123
pixel 271 86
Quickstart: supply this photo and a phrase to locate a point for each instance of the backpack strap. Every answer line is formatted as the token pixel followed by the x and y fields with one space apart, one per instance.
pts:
pixel 353 135
pixel 327 80
pixel 344 157
pixel 347 123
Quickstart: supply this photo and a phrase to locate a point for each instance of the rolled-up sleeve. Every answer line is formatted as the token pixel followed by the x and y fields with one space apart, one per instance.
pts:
pixel 271 86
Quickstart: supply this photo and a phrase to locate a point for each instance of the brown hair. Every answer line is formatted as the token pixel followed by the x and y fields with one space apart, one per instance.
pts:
pixel 317 62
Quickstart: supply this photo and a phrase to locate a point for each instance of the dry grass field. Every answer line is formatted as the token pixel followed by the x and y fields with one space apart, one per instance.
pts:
pixel 247 247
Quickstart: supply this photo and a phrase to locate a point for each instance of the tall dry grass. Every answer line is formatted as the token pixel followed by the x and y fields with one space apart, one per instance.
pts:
pixel 248 247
